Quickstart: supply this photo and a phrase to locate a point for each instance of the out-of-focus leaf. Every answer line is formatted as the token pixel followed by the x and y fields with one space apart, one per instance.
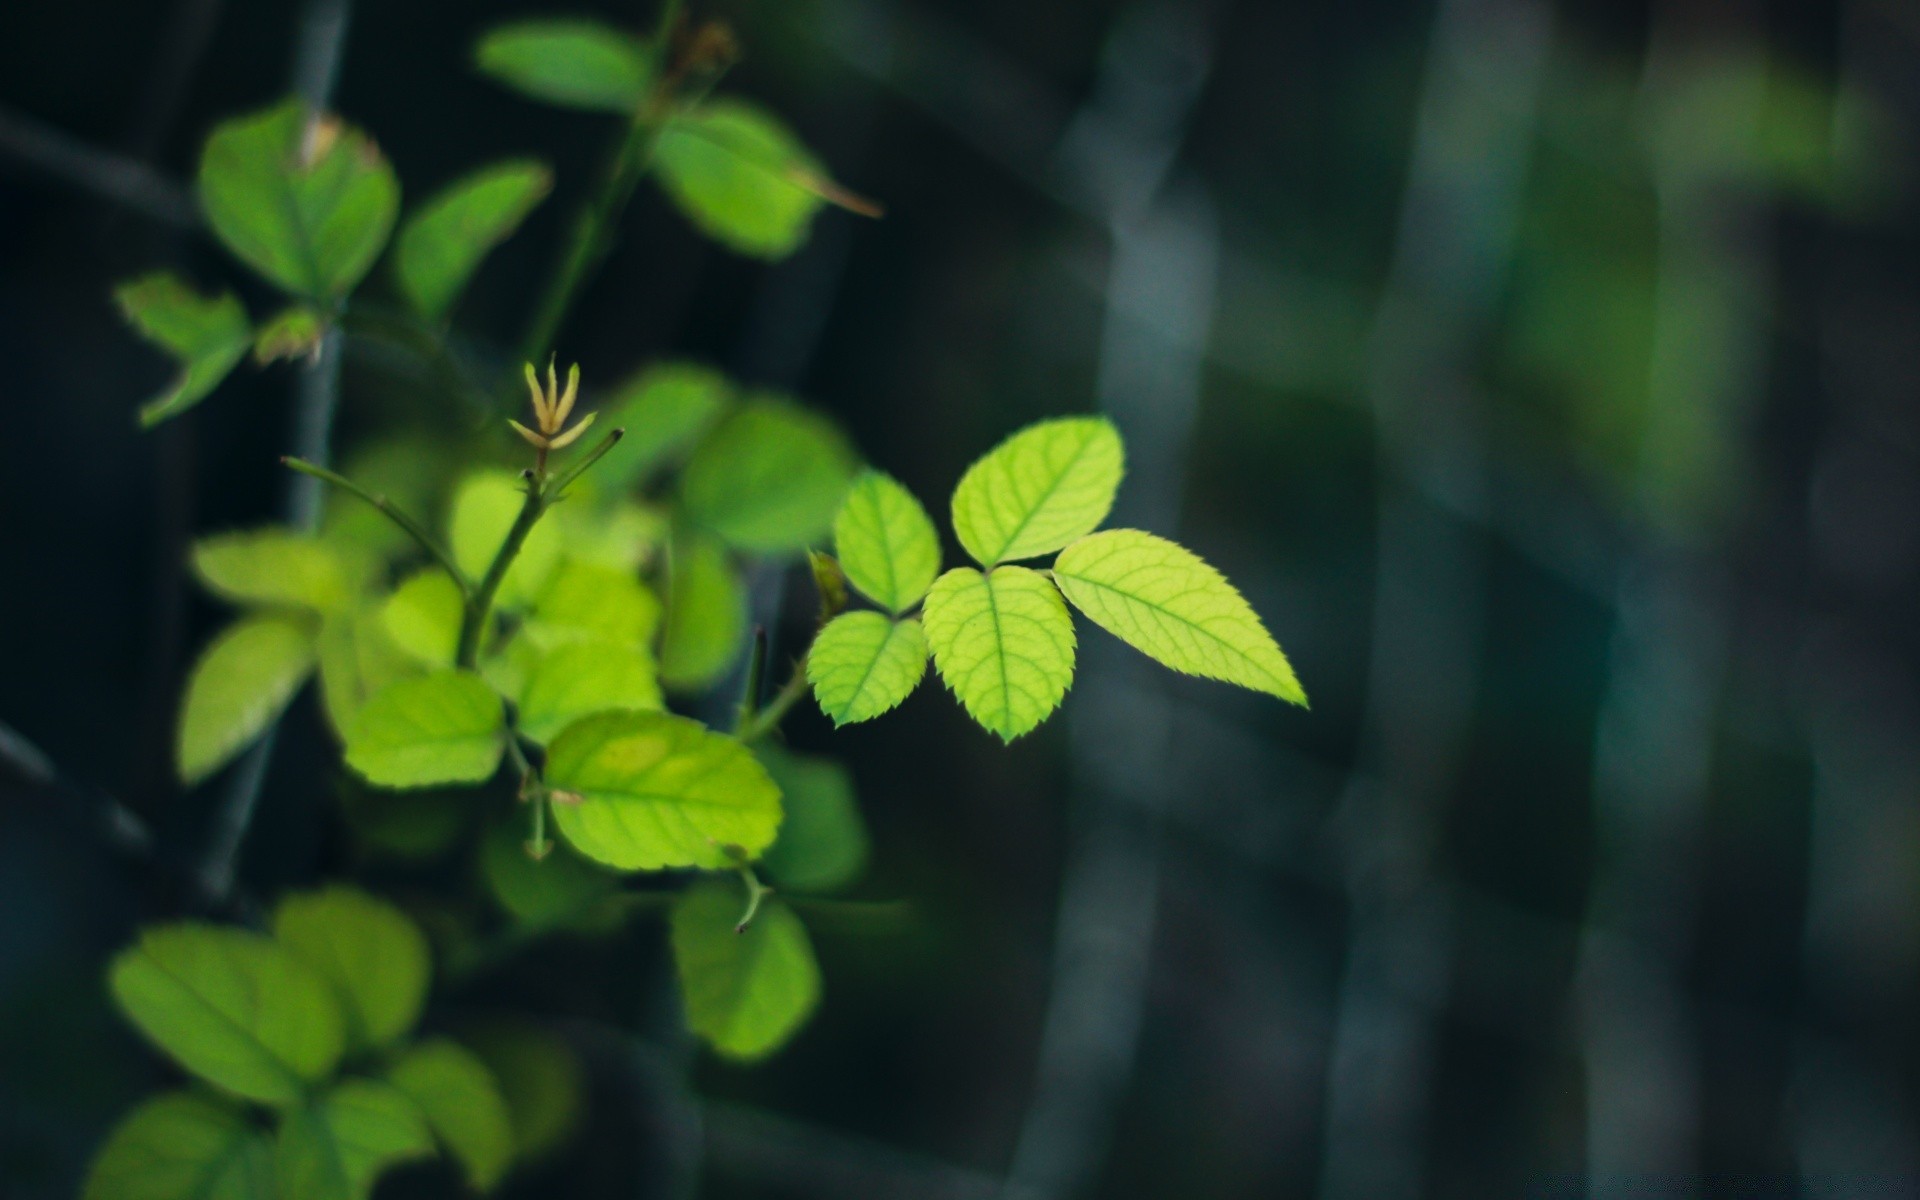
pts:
pixel 357 658
pixel 423 616
pixel 237 687
pixel 579 678
pixel 706 615
pixel 748 990
pixel 555 890
pixel 293 332
pixel 769 478
pixel 484 509
pixel 541 1080
pixel 823 842
pixel 663 409
pixel 656 790
pixel 206 335
pixel 442 728
pixel 440 246
pixel 461 1101
pixel 273 566
pixel 407 825
pixel 308 204
pixel 592 601
pixel 743 178
pixel 235 1008
pixel 181 1146
pixel 569 62
pixel 373 954
pixel 337 1147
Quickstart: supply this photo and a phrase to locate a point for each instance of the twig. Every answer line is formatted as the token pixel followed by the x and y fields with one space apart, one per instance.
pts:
pixel 392 512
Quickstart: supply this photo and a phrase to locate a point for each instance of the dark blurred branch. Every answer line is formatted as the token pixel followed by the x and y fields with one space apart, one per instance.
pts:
pixel 1457 228
pixel 117 178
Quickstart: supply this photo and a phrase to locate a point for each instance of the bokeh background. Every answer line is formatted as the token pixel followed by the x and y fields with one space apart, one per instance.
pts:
pixel 1543 370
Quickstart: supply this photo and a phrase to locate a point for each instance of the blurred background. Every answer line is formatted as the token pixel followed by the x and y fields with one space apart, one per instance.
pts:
pixel 1544 372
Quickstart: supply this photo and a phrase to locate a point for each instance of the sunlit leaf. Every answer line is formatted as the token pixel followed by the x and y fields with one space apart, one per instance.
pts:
pixel 337 1147
pixel 742 177
pixel 823 842
pixel 440 245
pixel 864 663
pixel 182 1146
pixel 579 678
pixel 237 687
pixel 657 790
pixel 433 729
pixel 307 203
pixel 770 477
pixel 484 510
pixel 274 567
pixel 1164 601
pixel 1040 489
pixel 423 615
pixel 1003 644
pixel 663 409
pixel 206 335
pixel 747 991
pixel 706 615
pixel 886 542
pixel 357 658
pixel 570 62
pixel 593 601
pixel 461 1101
pixel 235 1008
pixel 373 954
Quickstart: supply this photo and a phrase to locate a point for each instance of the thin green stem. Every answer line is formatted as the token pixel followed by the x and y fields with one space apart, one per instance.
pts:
pixel 599 451
pixel 480 601
pixel 765 720
pixel 757 892
pixel 392 512
pixel 755 681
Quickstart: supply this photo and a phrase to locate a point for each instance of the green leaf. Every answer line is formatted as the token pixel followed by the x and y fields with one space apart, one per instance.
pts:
pixel 663 409
pixel 440 728
pixel 706 615
pixel 440 245
pixel 415 826
pixel 1038 490
pixel 293 332
pixel 1164 601
pixel 569 62
pixel 742 177
pixel 182 1146
pixel 484 509
pixel 274 567
pixel 590 600
pixel 746 991
pixel 886 542
pixel 373 954
pixel 823 842
pixel 206 335
pixel 578 679
pixel 237 687
pixel 863 664
pixel 560 889
pixel 461 1101
pixel 658 790
pixel 541 1081
pixel 423 616
pixel 337 1147
pixel 411 470
pixel 309 205
pixel 357 659
pixel 235 1008
pixel 769 478
pixel 1003 643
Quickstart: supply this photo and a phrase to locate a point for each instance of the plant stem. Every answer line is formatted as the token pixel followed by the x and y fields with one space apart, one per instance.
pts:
pixel 756 893
pixel 480 601
pixel 758 724
pixel 411 527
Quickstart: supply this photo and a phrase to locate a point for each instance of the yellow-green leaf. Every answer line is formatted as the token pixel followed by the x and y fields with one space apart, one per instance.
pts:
pixel 235 1008
pixel 746 991
pixel 1166 602
pixel 1040 489
pixel 823 842
pixel 237 687
pixel 337 1147
pixel 206 335
pixel 182 1146
pixel 423 615
pixel 1003 644
pixel 594 601
pixel 461 1101
pixel 571 62
pixel 372 953
pixel 484 510
pixel 663 409
pixel 446 727
pixel 440 245
pixel 656 790
pixel 769 478
pixel 742 177
pixel 579 678
pixel 308 204
pixel 864 663
pixel 273 567
pixel 706 615
pixel 886 542
pixel 357 659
